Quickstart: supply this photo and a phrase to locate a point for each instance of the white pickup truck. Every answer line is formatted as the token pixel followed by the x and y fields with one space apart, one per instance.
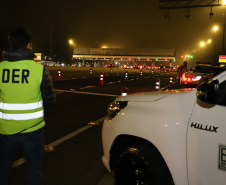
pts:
pixel 168 137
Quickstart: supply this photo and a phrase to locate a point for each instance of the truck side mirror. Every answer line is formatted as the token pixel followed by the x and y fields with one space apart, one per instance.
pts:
pixel 207 91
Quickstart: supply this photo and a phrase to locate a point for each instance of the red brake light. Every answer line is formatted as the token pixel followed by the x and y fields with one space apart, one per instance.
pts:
pixel 188 78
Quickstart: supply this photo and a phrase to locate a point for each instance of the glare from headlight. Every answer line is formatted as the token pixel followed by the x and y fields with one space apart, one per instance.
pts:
pixel 115 107
pixel 196 78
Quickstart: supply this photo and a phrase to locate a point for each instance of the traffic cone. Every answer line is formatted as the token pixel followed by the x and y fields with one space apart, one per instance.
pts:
pixel 141 74
pixel 124 91
pixel 102 79
pixel 90 72
pixel 126 75
pixel 157 85
pixel 59 74
pixel 171 81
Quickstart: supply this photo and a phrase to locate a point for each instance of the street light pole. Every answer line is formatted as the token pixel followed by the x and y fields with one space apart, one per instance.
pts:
pixel 70 43
pixel 223 31
pixel 215 28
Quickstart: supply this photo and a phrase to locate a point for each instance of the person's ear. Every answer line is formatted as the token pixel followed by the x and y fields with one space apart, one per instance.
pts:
pixel 29 46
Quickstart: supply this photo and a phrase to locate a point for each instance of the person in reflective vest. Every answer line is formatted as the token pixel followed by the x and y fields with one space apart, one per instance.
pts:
pixel 26 93
pixel 181 73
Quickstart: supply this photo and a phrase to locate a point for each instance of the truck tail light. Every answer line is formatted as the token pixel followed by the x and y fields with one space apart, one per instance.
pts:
pixel 188 78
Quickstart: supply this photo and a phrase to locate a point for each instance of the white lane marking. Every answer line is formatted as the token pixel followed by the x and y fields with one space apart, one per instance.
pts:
pixel 69 136
pixel 87 87
pixel 61 140
pixel 79 92
pixel 111 82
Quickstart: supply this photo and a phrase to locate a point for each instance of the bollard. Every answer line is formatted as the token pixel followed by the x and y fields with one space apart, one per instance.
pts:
pixel 102 78
pixel 111 71
pixel 124 91
pixel 157 85
pixel 152 72
pixel 171 81
pixel 141 74
pixel 59 74
pixel 90 72
pixel 126 75
pixel 135 70
pixel 159 71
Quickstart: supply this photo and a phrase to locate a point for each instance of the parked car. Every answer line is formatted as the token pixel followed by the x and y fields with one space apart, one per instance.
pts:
pixel 200 74
pixel 168 137
pixel 139 66
pixel 110 65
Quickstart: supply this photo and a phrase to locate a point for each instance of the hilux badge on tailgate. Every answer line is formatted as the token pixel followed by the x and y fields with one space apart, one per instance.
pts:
pixel 222 157
pixel 204 127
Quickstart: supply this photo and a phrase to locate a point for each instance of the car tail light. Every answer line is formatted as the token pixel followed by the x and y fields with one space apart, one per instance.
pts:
pixel 188 78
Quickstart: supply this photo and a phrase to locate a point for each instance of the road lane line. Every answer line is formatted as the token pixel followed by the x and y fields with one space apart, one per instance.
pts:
pixel 90 93
pixel 69 136
pixel 61 140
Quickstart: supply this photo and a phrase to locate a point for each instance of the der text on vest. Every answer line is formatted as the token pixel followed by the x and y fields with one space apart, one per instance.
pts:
pixel 15 75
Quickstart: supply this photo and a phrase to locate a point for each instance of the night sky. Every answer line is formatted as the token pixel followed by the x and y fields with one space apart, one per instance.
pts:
pixel 113 23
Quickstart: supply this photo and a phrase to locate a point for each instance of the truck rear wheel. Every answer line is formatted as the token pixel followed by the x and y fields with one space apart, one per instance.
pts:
pixel 142 165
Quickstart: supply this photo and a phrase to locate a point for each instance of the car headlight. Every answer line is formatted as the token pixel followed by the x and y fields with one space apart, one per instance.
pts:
pixel 196 78
pixel 115 107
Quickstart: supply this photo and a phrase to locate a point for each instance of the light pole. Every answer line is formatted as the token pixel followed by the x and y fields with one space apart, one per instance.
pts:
pixel 70 43
pixel 215 29
pixel 209 41
pixel 224 3
pixel 202 45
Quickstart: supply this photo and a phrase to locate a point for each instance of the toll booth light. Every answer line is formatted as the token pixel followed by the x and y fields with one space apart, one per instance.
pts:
pixel 148 59
pixel 191 56
pixel 181 56
pixel 165 59
pixel 156 59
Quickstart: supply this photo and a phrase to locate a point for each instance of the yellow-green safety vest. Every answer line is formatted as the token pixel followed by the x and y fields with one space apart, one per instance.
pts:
pixel 21 105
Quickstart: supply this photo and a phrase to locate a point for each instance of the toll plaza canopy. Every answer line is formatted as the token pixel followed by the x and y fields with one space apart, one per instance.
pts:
pixel 173 4
pixel 124 54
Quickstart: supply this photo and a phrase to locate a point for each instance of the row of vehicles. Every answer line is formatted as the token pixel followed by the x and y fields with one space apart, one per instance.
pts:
pixel 161 68
pixel 169 137
pixel 142 66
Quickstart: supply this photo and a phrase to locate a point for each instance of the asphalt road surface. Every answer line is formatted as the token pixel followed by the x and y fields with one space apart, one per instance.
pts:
pixel 76 147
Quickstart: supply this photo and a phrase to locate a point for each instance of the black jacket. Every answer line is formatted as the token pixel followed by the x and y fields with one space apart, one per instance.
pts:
pixel 47 89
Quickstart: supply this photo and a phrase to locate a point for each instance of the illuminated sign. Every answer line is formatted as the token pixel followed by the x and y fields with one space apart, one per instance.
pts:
pixel 222 58
pixel 37 56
